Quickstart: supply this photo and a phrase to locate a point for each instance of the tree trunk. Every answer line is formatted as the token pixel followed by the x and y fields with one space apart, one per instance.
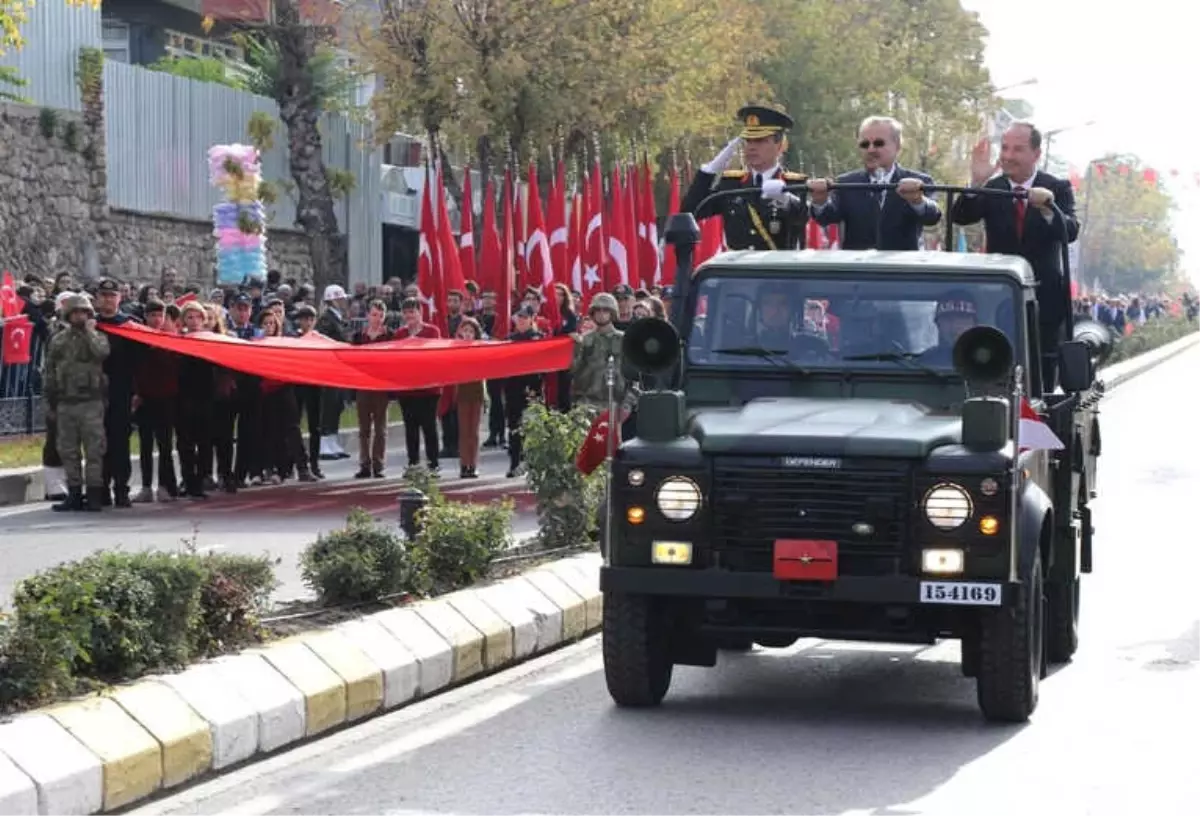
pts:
pixel 301 114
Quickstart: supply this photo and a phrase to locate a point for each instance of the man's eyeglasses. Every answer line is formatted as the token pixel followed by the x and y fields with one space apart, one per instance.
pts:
pixel 865 143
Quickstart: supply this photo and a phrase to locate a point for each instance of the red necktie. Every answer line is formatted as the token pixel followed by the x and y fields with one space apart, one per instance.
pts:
pixel 1021 203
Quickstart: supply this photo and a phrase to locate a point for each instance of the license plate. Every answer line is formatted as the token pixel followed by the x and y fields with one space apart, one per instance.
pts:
pixel 962 593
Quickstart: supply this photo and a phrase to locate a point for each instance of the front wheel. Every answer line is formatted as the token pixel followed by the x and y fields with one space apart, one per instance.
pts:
pixel 637 657
pixel 1011 650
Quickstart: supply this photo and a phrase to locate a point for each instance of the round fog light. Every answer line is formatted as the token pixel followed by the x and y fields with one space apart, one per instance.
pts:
pixel 989 487
pixel 637 478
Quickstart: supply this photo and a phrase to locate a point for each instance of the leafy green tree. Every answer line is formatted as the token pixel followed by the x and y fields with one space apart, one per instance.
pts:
pixel 1126 241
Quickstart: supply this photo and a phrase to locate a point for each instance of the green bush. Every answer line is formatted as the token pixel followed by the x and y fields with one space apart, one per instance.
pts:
pixel 566 499
pixel 1150 336
pixel 457 542
pixel 116 616
pixel 364 561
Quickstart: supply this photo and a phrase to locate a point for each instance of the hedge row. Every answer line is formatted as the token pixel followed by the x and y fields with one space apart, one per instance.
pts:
pixel 1152 335
pixel 116 615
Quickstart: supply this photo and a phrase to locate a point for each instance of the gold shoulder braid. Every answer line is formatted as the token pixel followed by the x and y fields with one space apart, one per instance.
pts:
pixel 758 225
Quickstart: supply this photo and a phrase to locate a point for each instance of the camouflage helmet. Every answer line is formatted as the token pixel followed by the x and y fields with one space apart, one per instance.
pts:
pixel 76 303
pixel 603 301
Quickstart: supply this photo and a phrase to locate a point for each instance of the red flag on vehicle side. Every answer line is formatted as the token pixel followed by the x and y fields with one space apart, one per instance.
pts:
pixel 595 448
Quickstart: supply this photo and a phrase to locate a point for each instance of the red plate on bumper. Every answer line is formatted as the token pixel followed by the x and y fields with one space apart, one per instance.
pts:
pixel 805 560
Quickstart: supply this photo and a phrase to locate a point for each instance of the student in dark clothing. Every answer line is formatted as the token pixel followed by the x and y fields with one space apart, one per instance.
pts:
pixel 156 393
pixel 419 407
pixel 517 390
pixel 308 397
pixel 372 405
pixel 197 378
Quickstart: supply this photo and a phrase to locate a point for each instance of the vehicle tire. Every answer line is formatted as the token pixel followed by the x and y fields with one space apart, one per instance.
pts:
pixel 1011 654
pixel 1062 621
pixel 637 657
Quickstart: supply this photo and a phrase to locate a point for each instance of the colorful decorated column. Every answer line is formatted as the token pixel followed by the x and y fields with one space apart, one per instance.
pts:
pixel 240 222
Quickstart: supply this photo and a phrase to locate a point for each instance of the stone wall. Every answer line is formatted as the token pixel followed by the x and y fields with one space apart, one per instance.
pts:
pixel 47 226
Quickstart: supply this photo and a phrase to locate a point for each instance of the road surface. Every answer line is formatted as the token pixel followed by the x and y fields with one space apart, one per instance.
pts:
pixel 826 727
pixel 279 521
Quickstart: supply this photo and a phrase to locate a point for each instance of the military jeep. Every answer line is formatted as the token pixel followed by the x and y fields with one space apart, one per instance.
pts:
pixel 822 453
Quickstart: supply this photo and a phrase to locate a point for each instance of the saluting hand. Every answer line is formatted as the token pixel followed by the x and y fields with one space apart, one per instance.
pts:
pixel 722 159
pixel 982 166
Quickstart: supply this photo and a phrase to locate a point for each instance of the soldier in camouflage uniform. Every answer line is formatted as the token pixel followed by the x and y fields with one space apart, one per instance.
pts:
pixel 592 351
pixel 75 389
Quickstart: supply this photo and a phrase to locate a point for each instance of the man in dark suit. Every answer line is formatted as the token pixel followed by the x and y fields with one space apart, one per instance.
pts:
pixel 888 219
pixel 1028 228
pixel 774 220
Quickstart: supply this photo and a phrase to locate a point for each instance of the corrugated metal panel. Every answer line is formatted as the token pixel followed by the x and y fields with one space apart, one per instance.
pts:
pixel 159 130
pixel 53 35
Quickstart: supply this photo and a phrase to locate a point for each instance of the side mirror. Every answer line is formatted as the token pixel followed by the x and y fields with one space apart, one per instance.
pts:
pixel 1076 371
pixel 986 426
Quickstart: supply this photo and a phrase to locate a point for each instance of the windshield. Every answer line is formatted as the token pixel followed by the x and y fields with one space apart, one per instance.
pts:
pixel 841 322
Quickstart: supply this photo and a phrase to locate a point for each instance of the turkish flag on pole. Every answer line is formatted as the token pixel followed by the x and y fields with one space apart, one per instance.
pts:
pixel 504 292
pixel 649 261
pixel 466 229
pixel 1033 433
pixel 575 242
pixel 491 258
pixel 668 259
pixel 18 337
pixel 427 252
pixel 595 448
pixel 10 302
pixel 448 270
pixel 618 239
pixel 557 227
pixel 593 249
pixel 537 254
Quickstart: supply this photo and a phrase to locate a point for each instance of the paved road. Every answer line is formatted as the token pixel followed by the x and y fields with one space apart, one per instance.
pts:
pixel 824 727
pixel 280 521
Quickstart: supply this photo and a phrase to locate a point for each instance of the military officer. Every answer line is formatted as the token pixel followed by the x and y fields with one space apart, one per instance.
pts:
pixel 774 220
pixel 75 389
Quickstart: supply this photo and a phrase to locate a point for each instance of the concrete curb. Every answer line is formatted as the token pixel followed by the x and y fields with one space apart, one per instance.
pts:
pixel 124 746
pixel 1128 369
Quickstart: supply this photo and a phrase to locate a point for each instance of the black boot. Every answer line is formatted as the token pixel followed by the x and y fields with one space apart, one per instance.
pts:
pixel 121 497
pixel 73 503
pixel 95 499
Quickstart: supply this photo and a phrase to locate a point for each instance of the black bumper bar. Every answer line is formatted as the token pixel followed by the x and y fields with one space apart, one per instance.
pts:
pixel 720 584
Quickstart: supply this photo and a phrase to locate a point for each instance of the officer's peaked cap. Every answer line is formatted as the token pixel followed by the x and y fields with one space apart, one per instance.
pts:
pixel 759 122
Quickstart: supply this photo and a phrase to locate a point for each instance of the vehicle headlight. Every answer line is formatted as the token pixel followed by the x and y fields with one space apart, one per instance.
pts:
pixel 678 498
pixel 947 506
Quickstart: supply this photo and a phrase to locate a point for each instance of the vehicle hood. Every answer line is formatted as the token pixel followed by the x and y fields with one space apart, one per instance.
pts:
pixel 825 427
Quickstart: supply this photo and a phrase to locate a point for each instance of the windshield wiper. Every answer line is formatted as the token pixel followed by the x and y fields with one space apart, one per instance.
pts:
pixel 908 358
pixel 776 356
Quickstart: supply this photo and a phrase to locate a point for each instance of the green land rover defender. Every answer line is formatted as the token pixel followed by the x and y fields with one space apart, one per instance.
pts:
pixel 851 446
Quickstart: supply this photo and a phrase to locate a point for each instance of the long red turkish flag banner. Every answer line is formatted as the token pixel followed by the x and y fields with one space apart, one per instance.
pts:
pixel 397 365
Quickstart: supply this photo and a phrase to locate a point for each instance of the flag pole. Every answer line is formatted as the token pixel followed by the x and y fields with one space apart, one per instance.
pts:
pixel 610 381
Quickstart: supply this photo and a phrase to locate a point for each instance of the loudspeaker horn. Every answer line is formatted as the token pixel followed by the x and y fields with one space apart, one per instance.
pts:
pixel 983 354
pixel 650 345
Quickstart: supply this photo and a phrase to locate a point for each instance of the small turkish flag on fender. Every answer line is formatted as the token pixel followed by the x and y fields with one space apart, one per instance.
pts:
pixel 18 337
pixel 595 448
pixel 1033 432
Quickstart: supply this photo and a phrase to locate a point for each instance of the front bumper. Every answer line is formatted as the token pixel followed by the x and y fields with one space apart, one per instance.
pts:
pixel 713 584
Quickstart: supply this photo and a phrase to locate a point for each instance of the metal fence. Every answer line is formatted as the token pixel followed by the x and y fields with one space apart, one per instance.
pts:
pixel 159 129
pixel 53 36
pixel 21 393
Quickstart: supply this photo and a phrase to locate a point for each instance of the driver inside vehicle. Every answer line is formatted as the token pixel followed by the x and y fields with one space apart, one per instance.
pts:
pixel 955 313
pixel 777 317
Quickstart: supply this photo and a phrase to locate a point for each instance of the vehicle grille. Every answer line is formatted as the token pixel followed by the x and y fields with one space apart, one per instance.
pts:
pixel 756 500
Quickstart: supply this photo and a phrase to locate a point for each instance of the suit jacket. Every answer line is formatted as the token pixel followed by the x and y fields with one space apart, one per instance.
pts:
pixel 865 225
pixel 1040 242
pixel 750 222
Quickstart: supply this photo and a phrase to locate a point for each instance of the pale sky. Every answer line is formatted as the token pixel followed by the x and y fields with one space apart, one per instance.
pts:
pixel 1130 67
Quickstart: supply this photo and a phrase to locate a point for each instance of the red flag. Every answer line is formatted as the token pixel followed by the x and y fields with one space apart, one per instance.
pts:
pixel 594 450
pixel 575 242
pixel 448 269
pixel 491 259
pixel 466 229
pixel 504 292
pixel 1034 433
pixel 668 258
pixel 10 302
pixel 594 247
pixel 556 227
pixel 520 234
pixel 649 261
pixel 18 337
pixel 831 236
pixel 618 238
pixel 537 254
pixel 427 252
pixel 712 240
pixel 632 184
pixel 1150 176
